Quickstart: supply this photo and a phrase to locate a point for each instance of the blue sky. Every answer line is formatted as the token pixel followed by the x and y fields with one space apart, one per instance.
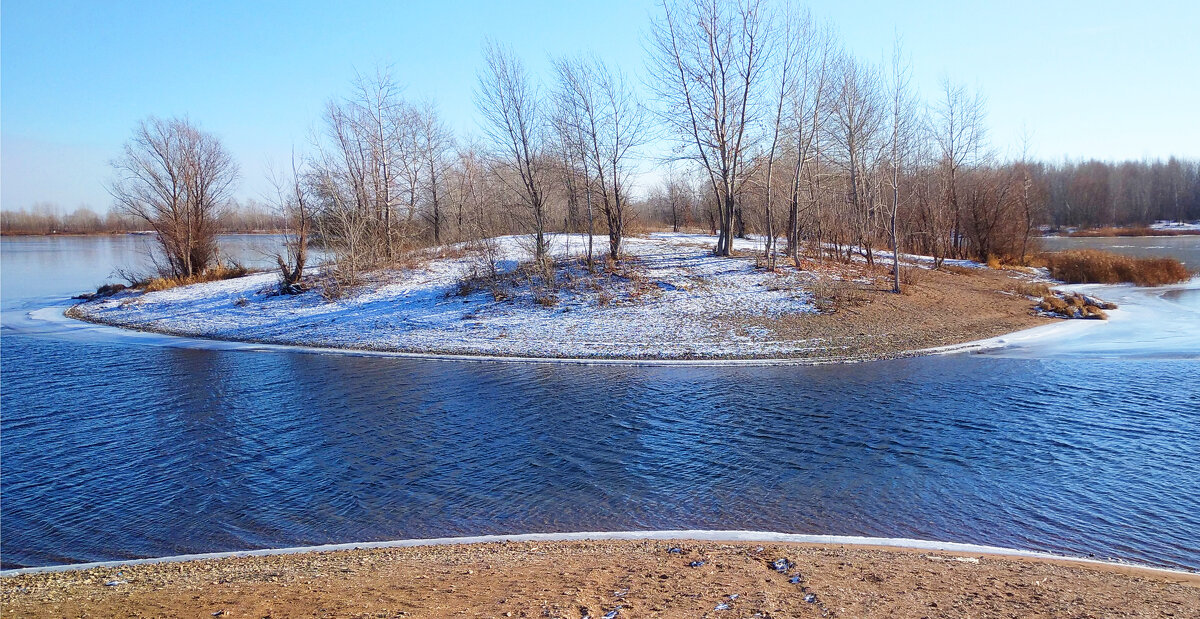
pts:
pixel 1108 80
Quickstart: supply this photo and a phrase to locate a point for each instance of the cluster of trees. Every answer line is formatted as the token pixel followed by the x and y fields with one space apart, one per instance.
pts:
pixel 1097 193
pixel 388 176
pixel 775 129
pixel 48 218
pixel 794 137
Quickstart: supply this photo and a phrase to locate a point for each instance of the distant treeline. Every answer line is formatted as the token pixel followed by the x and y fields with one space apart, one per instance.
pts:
pixel 46 218
pixel 1128 193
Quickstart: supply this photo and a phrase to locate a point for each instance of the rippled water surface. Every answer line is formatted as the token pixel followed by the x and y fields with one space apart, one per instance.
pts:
pixel 122 447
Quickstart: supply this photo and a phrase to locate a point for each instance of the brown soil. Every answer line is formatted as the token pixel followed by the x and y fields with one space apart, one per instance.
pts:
pixel 863 319
pixel 636 578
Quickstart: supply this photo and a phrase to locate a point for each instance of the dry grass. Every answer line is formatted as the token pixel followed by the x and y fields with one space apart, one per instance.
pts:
pixel 1130 231
pixel 1092 266
pixel 832 296
pixel 910 276
pixel 216 273
pixel 957 270
pixel 1075 305
pixel 1030 289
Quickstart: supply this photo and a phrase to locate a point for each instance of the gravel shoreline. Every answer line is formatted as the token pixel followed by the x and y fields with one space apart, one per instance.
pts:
pixel 635 578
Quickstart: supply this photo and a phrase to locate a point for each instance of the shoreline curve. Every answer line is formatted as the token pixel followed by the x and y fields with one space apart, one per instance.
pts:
pixel 743 536
pixel 970 346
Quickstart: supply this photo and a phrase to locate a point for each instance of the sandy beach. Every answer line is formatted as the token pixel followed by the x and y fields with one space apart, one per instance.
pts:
pixel 646 578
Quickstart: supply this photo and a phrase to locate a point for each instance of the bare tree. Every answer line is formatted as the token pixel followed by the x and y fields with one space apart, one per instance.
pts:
pixel 610 123
pixel 359 172
pixel 435 141
pixel 815 51
pixel 958 130
pixel 176 178
pixel 1029 196
pixel 786 42
pixel 573 150
pixel 292 202
pixel 513 115
pixel 857 117
pixel 899 147
pixel 707 65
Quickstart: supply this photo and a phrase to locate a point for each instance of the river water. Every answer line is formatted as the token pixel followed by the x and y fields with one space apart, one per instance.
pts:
pixel 1083 440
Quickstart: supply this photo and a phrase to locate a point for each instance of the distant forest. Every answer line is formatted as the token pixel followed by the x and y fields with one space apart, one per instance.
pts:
pixel 1130 193
pixel 46 218
pixel 1091 194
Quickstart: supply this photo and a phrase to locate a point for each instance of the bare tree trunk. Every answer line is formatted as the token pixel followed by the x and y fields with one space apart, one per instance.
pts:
pixel 709 58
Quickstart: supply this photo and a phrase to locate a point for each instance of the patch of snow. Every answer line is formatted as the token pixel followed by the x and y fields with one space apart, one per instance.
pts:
pixel 686 314
pixel 1176 225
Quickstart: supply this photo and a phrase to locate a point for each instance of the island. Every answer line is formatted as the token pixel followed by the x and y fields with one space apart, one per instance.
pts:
pixel 670 299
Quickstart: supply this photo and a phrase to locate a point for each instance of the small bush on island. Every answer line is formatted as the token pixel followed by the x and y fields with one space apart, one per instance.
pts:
pixel 1090 266
pixel 552 280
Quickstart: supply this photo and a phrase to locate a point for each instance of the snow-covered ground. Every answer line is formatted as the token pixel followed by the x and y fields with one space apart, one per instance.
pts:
pixel 692 305
pixel 1181 226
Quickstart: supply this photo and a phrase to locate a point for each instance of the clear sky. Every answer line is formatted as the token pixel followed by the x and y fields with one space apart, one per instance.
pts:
pixel 1098 79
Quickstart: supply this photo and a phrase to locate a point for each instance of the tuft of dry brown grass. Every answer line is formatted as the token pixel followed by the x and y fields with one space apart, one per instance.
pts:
pixel 1075 305
pixel 216 273
pixel 1091 266
pixel 1030 289
pixel 957 270
pixel 1131 231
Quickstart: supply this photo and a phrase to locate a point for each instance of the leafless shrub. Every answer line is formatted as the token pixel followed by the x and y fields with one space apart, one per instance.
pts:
pixel 177 179
pixel 909 276
pixel 833 296
pixel 333 283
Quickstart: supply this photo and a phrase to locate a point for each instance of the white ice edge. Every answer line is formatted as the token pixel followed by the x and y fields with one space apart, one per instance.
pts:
pixel 683 534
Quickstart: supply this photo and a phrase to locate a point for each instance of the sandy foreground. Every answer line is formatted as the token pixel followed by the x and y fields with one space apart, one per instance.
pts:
pixel 633 578
pixel 677 302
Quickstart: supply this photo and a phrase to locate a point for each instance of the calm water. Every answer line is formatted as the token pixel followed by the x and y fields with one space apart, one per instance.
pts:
pixel 123 446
